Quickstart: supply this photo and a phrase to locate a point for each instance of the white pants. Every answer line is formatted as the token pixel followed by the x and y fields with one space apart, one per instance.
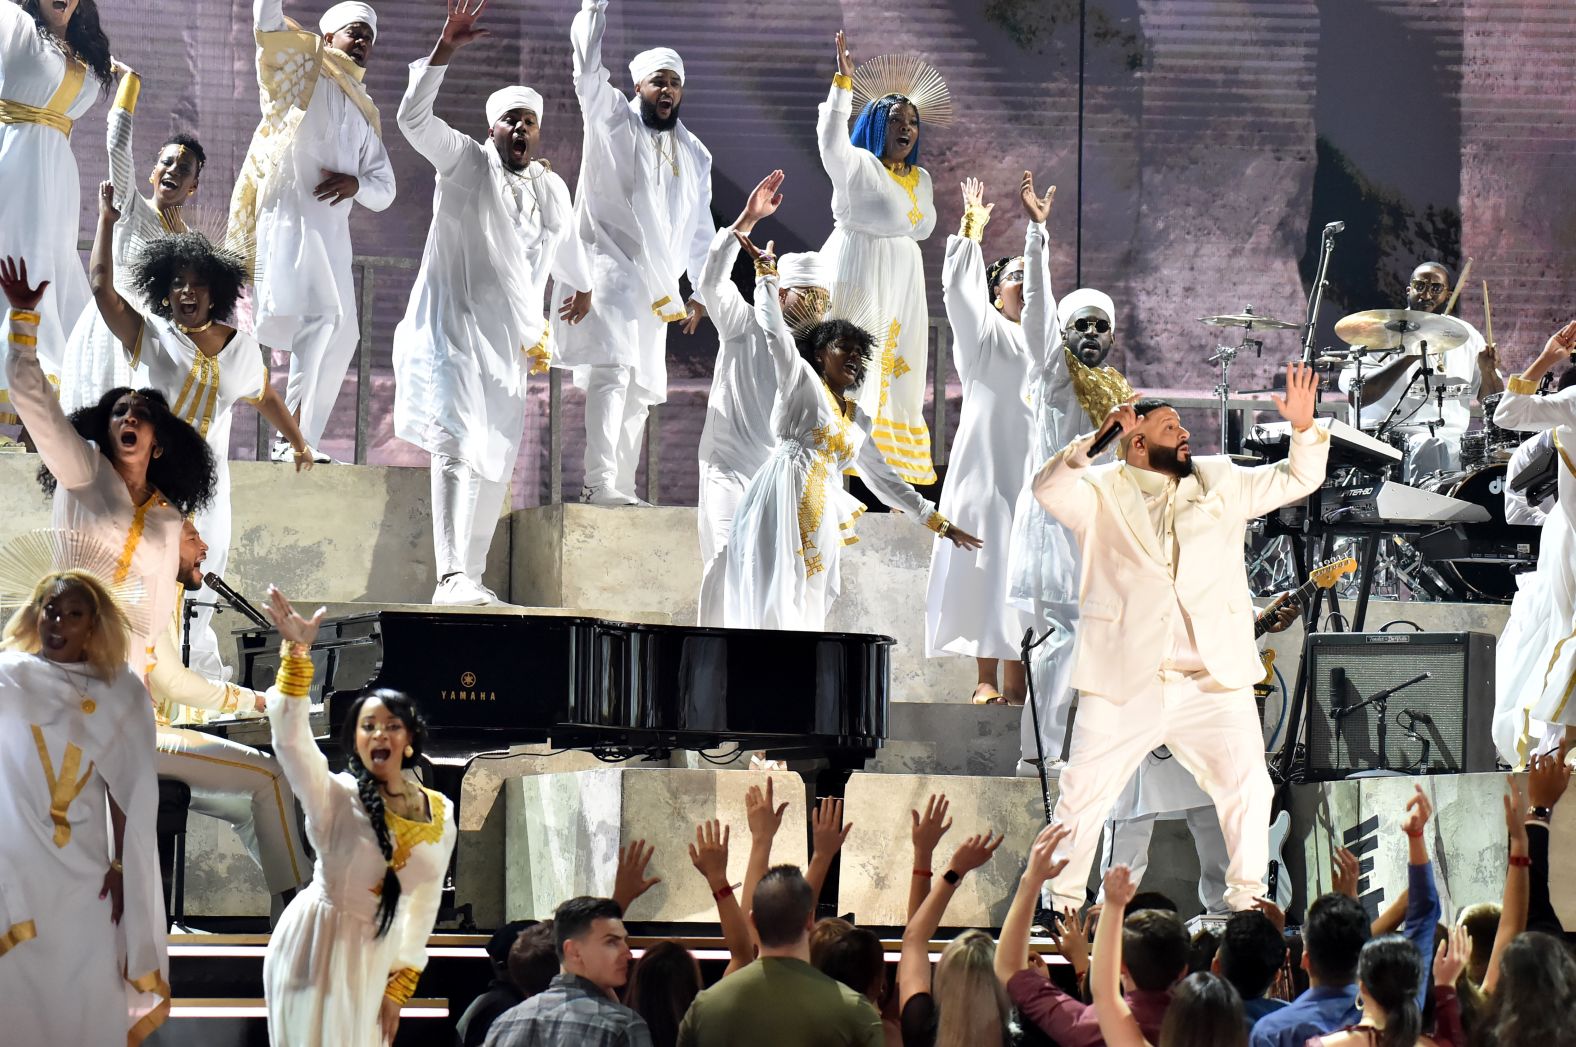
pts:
pixel 720 492
pixel 239 785
pixel 465 510
pixel 1127 843
pixel 616 410
pixel 1213 733
pixel 320 354
pixel 1052 666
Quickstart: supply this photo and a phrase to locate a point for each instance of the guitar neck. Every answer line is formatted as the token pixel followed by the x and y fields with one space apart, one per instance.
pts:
pixel 1299 596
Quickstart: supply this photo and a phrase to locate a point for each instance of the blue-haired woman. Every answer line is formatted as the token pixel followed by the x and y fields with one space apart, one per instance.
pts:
pixel 883 207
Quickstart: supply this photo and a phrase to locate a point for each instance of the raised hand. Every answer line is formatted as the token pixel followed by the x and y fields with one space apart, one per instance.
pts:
pixel 1124 415
pixel 336 187
pixel 1043 863
pixel 975 852
pixel 1274 913
pixel 1036 207
pixel 13 283
pixel 290 625
pixel 1344 872
pixel 759 811
pixel 756 254
pixel 107 209
pixel 1560 345
pixel 459 29
pixel 629 879
pixel 1450 959
pixel 1515 800
pixel 1302 387
pixel 709 852
pixel 845 61
pixel 1120 890
pixel 1419 810
pixel 974 195
pixel 927 829
pixel 1547 780
pixel 827 831
pixel 1073 936
pixel 763 202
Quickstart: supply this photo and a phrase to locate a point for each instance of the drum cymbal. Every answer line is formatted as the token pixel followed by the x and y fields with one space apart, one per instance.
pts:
pixel 1249 319
pixel 1388 328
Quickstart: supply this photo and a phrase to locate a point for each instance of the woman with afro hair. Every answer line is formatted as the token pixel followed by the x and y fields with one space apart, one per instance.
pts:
pixel 53 62
pixel 794 519
pixel 124 471
pixel 180 332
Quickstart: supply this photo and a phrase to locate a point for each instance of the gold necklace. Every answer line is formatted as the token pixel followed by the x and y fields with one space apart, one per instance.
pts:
pixel 193 330
pixel 88 704
pixel 662 154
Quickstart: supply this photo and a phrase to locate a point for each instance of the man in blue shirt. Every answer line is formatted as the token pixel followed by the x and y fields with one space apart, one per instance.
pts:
pixel 1335 933
pixel 1252 950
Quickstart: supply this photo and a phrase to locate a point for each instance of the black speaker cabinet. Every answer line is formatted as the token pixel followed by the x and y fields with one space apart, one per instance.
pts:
pixel 1435 725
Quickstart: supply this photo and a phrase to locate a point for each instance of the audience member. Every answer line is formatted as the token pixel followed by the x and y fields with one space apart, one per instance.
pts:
pixel 1251 954
pixel 533 959
pixel 1388 972
pixel 855 957
pixel 665 981
pixel 1333 937
pixel 501 992
pixel 926 831
pixel 780 1000
pixel 827 833
pixel 1534 1004
pixel 1205 1011
pixel 578 1008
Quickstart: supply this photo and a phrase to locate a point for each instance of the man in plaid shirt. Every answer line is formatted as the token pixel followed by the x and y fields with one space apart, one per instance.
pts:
pixel 579 1006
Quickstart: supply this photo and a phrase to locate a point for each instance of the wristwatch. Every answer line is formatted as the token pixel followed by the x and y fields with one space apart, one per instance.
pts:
pixel 952 876
pixel 1542 814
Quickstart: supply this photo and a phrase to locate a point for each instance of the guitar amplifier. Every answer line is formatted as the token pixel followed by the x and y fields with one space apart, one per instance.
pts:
pixel 1434 725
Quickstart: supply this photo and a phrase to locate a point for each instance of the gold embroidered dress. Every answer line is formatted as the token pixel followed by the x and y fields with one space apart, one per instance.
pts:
pixel 881 217
pixel 68 974
pixel 788 534
pixel 41 93
pixel 325 973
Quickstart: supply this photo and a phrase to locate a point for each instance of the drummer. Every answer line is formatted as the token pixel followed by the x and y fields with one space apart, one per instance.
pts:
pixel 1467 372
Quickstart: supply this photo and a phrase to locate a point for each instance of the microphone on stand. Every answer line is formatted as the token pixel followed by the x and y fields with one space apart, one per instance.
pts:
pixel 235 600
pixel 1333 228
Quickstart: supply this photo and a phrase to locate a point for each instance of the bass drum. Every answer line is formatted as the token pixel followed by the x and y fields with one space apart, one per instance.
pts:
pixel 1483 486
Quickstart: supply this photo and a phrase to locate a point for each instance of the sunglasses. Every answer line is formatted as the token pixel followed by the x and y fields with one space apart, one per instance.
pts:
pixel 1088 324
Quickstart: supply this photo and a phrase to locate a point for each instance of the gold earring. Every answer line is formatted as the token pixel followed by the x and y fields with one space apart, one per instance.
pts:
pixel 998 302
pixel 153 178
pixel 409 752
pixel 166 303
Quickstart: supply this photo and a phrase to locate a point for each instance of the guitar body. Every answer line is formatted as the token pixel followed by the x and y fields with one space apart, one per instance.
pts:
pixel 1266 686
pixel 1277 879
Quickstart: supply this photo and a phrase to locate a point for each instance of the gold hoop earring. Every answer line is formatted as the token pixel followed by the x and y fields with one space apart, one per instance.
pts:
pixel 409 752
pixel 166 303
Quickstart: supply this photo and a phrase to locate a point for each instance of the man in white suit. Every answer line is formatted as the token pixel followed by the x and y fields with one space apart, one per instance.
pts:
pixel 1165 652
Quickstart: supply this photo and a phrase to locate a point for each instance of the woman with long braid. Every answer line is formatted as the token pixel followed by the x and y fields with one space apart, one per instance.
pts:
pixel 350 947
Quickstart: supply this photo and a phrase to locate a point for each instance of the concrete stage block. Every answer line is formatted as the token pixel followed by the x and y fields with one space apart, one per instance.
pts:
pixel 878 854
pixel 563 831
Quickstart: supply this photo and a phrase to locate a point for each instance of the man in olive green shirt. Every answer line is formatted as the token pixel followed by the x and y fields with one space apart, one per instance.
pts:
pixel 780 1000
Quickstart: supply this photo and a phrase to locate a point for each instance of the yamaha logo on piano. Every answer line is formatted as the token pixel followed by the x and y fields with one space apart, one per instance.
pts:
pixel 468 692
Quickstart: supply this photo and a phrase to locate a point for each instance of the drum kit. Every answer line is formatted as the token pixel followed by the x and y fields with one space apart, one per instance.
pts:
pixel 1377 339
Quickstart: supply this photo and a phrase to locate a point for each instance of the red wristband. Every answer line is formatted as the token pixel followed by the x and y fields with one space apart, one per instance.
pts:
pixel 1520 861
pixel 1413 835
pixel 719 895
pixel 926 873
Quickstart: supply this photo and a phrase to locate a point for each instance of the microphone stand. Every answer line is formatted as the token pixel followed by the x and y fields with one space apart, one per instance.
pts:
pixel 1382 700
pixel 1316 293
pixel 1029 644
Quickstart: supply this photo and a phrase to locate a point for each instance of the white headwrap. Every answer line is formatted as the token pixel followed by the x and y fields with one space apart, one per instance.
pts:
pixel 341 15
pixel 804 269
pixel 516 97
pixel 1085 296
pixel 648 62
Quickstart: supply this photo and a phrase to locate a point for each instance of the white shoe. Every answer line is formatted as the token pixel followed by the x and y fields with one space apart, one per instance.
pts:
pixel 459 591
pixel 602 494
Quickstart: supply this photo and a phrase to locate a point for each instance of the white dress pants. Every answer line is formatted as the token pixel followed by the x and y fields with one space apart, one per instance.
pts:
pixel 1127 843
pixel 239 785
pixel 1051 663
pixel 616 410
pixel 720 492
pixel 1213 733
pixel 320 355
pixel 465 509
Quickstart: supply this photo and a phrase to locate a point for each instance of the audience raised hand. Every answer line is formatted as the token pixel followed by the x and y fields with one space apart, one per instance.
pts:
pixel 926 830
pixel 629 879
pixel 827 833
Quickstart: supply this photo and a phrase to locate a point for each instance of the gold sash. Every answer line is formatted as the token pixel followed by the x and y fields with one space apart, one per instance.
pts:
pixel 53 112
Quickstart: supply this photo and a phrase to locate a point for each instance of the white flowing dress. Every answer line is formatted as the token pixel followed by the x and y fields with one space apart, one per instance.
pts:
pixel 95 360
pixel 91 497
pixel 68 974
pixel 966 609
pixel 881 217
pixel 39 195
pixel 324 972
pixel 1536 658
pixel 783 566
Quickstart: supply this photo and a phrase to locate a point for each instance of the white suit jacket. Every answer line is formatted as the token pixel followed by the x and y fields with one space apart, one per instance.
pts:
pixel 1125 589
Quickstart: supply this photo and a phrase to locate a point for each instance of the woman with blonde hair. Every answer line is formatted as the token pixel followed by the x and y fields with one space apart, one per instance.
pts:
pixel 82 933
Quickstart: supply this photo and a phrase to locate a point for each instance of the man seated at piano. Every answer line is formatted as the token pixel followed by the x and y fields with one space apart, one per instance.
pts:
pixel 229 781
pixel 1394 391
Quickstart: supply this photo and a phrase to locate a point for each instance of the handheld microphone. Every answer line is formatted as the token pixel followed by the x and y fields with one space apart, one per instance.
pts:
pixel 1104 440
pixel 1333 228
pixel 235 600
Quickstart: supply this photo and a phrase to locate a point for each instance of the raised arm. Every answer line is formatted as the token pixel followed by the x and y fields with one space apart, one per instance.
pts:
pixel 714 286
pixel 1012 949
pixel 1422 907
pixel 1521 408
pixel 913 966
pixel 1547 781
pixel 964 290
pixel 1513 902
pixel 709 855
pixel 765 817
pixel 124 322
pixel 839 155
pixel 769 313
pixel 428 134
pixel 1041 326
pixel 593 84
pixel 827 833
pixel 1117 1024
pixel 926 831
pixel 72 460
pixel 1268 487
pixel 289 709
pixel 268 15
pixel 118 137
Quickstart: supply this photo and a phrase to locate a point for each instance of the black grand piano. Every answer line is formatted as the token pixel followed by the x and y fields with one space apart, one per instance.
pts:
pixel 486 682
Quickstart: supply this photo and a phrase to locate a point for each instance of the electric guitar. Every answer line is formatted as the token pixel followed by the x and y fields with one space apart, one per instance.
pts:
pixel 1323 576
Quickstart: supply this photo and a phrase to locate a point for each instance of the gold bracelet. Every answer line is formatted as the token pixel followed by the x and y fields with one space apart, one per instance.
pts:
pixel 116 866
pixel 766 265
pixel 845 83
pixel 126 95
pixel 294 678
pixel 402 984
pixel 974 222
pixel 938 523
pixel 1521 386
pixel 25 316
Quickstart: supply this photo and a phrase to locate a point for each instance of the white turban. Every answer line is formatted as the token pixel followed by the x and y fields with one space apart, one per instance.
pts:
pixel 341 15
pixel 648 62
pixel 804 269
pixel 516 97
pixel 1085 296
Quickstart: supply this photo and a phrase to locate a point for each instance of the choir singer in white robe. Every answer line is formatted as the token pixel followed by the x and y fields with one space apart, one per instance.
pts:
pixel 474 327
pixel 318 148
pixel 643 211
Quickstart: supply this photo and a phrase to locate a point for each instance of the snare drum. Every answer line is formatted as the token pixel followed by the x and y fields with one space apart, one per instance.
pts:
pixel 1474 450
pixel 1501 443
